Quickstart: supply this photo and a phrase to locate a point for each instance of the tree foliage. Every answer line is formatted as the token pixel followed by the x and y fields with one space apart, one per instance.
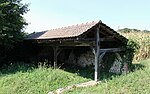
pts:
pixel 12 24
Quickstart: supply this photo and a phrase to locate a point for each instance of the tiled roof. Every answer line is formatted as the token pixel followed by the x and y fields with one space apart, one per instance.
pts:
pixel 64 32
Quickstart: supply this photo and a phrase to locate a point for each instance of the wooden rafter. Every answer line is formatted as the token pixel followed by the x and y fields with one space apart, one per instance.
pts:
pixel 113 33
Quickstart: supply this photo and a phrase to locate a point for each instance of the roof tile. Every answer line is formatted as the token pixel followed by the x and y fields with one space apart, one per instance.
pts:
pixel 64 32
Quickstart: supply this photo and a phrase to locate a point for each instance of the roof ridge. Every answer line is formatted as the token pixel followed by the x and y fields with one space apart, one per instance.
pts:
pixel 73 25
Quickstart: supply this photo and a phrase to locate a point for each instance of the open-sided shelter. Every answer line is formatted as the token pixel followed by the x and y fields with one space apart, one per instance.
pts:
pixel 96 35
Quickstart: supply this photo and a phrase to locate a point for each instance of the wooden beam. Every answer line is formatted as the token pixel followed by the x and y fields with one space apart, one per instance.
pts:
pixel 77 40
pixel 109 38
pixel 97 47
pixel 68 43
pixel 112 50
pixel 59 50
pixel 118 56
pixel 101 56
pixel 55 48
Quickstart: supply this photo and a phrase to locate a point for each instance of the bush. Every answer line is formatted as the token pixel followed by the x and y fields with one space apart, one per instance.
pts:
pixel 130 49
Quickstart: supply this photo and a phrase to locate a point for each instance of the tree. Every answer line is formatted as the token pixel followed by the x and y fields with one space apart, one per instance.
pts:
pixel 12 24
pixel 125 30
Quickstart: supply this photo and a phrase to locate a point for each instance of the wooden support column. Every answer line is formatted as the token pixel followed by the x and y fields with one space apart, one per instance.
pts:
pixel 97 47
pixel 55 49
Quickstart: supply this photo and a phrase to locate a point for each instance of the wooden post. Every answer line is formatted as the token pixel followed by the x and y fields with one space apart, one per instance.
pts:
pixel 55 48
pixel 97 47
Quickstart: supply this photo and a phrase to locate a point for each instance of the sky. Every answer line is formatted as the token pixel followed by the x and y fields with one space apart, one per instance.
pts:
pixel 118 14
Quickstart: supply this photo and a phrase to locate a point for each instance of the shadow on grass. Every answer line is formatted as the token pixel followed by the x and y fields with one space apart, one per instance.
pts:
pixel 16 67
pixel 84 72
pixel 88 72
pixel 135 67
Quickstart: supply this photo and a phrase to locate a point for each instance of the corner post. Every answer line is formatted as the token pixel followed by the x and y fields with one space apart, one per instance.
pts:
pixel 97 47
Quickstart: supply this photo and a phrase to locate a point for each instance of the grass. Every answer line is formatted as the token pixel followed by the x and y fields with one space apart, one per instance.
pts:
pixel 24 79
pixel 137 82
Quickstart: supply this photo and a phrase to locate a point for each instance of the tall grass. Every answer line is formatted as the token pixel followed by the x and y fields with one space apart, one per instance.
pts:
pixel 26 79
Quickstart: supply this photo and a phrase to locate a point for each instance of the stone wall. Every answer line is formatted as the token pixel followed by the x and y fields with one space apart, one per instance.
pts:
pixel 108 63
pixel 116 67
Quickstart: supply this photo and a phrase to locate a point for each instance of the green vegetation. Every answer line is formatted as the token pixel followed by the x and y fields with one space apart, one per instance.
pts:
pixel 137 82
pixel 12 24
pixel 143 40
pixel 128 30
pixel 23 78
pixel 26 79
